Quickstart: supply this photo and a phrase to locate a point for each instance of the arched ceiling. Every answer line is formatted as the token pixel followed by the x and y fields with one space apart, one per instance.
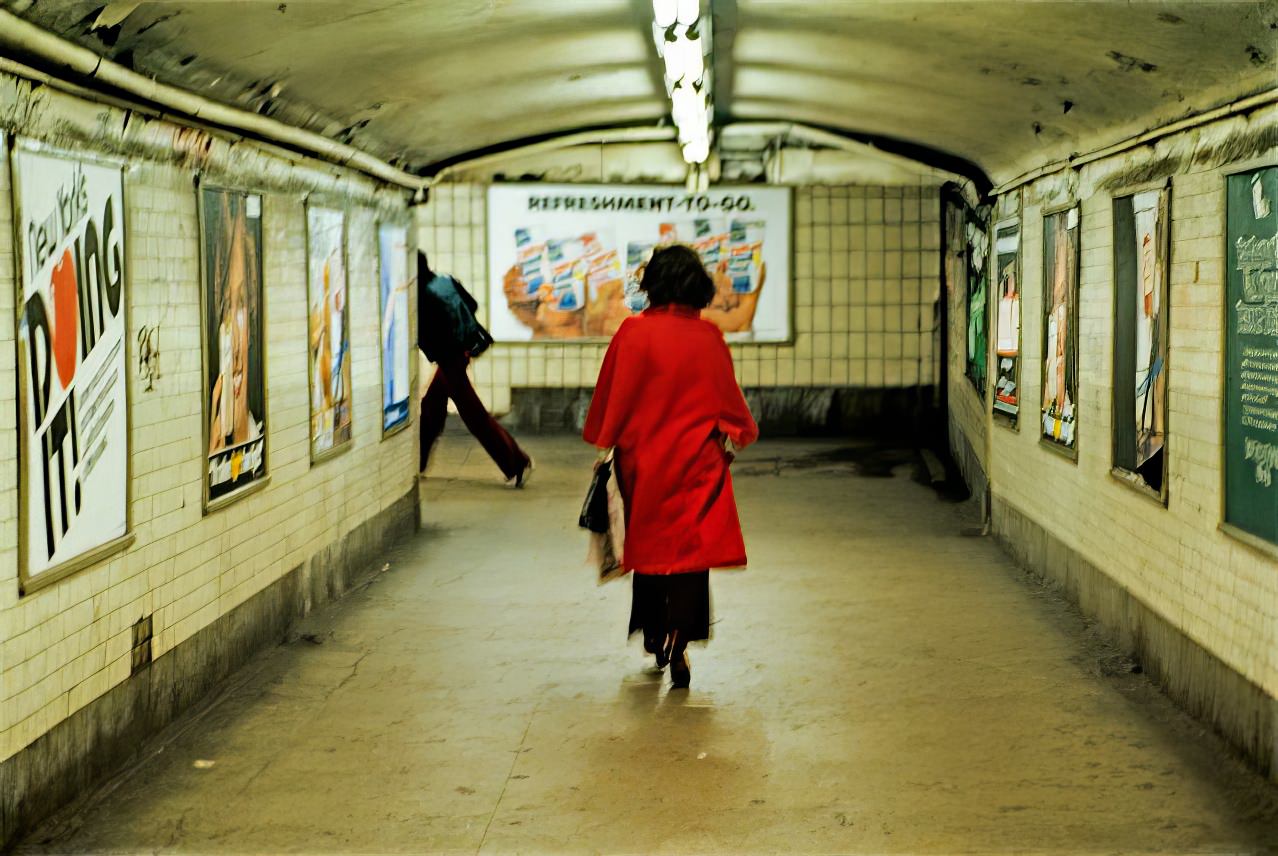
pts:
pixel 1001 84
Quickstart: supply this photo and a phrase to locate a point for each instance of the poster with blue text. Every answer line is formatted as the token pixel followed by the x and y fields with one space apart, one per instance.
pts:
pixel 72 361
pixel 392 254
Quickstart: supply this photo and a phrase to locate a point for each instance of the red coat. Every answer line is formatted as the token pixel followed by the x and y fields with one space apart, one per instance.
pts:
pixel 665 398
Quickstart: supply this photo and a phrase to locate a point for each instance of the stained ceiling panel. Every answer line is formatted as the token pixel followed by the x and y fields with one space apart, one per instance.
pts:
pixel 1002 84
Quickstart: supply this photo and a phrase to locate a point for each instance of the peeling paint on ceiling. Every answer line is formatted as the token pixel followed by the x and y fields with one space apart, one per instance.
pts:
pixel 1005 85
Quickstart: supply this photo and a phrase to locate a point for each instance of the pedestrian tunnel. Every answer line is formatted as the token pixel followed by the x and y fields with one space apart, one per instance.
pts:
pixel 997 281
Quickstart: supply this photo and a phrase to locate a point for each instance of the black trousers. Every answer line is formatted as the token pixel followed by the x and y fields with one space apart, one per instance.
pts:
pixel 664 603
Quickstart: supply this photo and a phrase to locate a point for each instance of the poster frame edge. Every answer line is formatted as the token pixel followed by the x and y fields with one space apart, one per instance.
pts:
pixel 28 584
pixel 332 451
pixel 1010 422
pixel 1069 452
pixel 1120 474
pixel 791 337
pixel 1233 530
pixel 378 222
pixel 207 504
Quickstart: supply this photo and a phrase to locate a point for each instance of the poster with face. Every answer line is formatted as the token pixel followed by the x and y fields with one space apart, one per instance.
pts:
pixel 392 254
pixel 1007 342
pixel 1060 328
pixel 330 340
pixel 72 361
pixel 234 361
pixel 565 261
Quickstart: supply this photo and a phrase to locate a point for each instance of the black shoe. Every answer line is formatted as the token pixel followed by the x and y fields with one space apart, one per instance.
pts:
pixel 657 650
pixel 680 672
pixel 525 474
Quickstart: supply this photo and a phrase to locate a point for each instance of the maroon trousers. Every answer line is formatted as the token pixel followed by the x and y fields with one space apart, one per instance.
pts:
pixel 451 381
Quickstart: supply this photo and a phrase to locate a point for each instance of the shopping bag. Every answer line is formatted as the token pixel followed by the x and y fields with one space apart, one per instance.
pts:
pixel 603 515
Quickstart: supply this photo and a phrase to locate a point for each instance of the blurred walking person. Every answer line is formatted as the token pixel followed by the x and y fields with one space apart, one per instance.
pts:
pixel 668 404
pixel 450 336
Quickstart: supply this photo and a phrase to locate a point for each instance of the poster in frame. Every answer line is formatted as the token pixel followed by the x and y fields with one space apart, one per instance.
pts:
pixel 1006 270
pixel 1141 218
pixel 395 278
pixel 564 260
pixel 233 312
pixel 72 359
pixel 1250 390
pixel 1059 401
pixel 976 279
pixel 329 338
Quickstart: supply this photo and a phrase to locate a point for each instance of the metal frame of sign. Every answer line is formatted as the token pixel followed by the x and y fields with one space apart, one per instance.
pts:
pixel 1070 453
pixel 1007 420
pixel 208 505
pixel 339 448
pixel 412 339
pixel 1241 535
pixel 26 583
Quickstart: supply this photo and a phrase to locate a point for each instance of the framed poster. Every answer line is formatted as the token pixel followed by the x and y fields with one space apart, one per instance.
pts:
pixel 1251 352
pixel 1060 330
pixel 330 331
pixel 233 308
pixel 393 265
pixel 561 257
pixel 1007 323
pixel 976 247
pixel 72 362
pixel 1142 229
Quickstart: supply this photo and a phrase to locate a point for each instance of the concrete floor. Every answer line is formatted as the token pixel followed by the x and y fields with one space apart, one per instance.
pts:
pixel 877 683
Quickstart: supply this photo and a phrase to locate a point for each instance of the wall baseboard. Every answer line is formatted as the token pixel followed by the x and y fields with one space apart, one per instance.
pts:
pixel 904 414
pixel 1197 680
pixel 100 738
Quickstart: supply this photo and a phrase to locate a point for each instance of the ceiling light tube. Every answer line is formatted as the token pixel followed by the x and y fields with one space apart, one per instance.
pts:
pixel 664 12
pixel 687 11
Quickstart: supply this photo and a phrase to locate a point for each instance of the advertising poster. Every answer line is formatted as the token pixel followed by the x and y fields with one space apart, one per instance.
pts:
pixel 234 361
pixel 1060 328
pixel 1140 334
pixel 1251 352
pixel 1007 324
pixel 330 337
pixel 564 260
pixel 978 322
pixel 72 360
pixel 392 255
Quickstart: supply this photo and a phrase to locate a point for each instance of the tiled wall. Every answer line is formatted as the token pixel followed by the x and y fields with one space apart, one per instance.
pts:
pixel 865 285
pixel 65 645
pixel 1220 592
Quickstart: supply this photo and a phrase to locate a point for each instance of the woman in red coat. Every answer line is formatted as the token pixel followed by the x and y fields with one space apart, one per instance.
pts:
pixel 668 403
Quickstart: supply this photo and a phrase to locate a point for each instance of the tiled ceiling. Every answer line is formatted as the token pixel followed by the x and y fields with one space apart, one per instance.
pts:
pixel 1003 85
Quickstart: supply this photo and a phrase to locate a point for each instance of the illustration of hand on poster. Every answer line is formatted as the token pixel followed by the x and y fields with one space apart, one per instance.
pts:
pixel 72 369
pixel 567 259
pixel 330 358
pixel 235 395
pixel 392 244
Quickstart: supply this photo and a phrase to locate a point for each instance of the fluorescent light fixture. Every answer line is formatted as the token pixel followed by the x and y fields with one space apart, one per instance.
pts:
pixel 682 39
pixel 687 11
pixel 664 12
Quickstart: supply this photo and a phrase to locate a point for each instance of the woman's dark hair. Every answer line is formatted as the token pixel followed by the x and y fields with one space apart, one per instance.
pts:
pixel 675 274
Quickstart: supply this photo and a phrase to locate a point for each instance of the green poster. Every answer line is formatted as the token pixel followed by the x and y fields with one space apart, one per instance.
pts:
pixel 1251 352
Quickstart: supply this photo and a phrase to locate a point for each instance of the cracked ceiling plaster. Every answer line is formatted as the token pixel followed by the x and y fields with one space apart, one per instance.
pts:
pixel 1002 85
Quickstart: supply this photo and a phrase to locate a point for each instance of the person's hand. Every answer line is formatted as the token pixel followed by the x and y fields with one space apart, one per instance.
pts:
pixel 520 303
pixel 217 437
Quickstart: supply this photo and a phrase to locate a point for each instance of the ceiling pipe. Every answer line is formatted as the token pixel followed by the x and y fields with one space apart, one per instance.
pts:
pixel 33 41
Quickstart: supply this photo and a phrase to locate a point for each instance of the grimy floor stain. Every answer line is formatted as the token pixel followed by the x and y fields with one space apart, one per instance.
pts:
pixel 877 683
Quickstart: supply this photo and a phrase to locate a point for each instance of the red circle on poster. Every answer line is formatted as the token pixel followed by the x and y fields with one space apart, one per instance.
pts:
pixel 66 317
